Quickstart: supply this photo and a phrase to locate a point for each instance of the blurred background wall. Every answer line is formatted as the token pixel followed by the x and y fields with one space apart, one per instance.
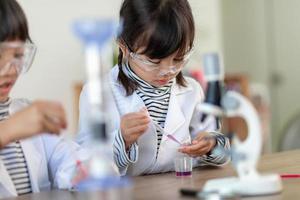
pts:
pixel 261 39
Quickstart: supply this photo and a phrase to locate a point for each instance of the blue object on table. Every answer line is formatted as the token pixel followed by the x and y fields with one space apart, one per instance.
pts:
pixel 110 182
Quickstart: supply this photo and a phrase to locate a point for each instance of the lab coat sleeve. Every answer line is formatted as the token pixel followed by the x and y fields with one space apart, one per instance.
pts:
pixel 122 157
pixel 216 156
pixel 210 124
pixel 83 135
pixel 61 158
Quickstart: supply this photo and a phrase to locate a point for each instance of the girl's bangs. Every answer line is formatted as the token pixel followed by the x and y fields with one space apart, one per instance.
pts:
pixel 165 36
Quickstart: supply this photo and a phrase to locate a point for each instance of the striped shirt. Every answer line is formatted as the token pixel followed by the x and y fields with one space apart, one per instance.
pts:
pixel 13 159
pixel 157 102
pixel 155 99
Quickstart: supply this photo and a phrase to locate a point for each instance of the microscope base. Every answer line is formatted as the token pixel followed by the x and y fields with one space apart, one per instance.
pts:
pixel 260 185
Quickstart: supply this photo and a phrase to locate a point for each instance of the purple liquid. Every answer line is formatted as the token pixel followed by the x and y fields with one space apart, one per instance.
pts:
pixel 183 173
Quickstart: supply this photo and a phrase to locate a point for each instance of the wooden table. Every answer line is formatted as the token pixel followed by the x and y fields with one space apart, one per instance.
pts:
pixel 166 186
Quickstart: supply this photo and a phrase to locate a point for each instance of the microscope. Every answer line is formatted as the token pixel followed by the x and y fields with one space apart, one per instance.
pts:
pixel 245 154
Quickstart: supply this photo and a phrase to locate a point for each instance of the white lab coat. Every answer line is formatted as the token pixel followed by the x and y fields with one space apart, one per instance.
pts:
pixel 50 161
pixel 181 110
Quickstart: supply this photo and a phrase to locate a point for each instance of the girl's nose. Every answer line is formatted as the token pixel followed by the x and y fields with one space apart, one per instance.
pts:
pixel 167 72
pixel 14 69
pixel 167 64
pixel 9 69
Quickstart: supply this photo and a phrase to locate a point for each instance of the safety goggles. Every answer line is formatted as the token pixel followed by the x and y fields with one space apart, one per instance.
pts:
pixel 156 68
pixel 19 55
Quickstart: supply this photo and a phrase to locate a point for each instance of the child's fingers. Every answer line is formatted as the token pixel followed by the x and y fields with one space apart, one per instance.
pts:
pixel 135 115
pixel 202 135
pixel 132 134
pixel 134 119
pixel 56 108
pixel 138 130
pixel 197 146
pixel 193 147
pixel 203 139
pixel 133 123
pixel 200 152
pixel 56 118
pixel 50 126
pixel 53 111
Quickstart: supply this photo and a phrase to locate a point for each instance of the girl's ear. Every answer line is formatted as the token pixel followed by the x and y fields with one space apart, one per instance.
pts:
pixel 123 48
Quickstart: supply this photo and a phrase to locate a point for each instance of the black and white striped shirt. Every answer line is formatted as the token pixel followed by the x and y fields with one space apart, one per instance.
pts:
pixel 157 102
pixel 155 99
pixel 13 159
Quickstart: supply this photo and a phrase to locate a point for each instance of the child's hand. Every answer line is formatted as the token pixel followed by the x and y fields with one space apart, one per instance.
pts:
pixel 201 145
pixel 133 125
pixel 39 117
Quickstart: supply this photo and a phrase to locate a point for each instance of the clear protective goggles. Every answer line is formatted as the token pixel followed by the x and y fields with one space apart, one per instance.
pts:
pixel 19 55
pixel 156 68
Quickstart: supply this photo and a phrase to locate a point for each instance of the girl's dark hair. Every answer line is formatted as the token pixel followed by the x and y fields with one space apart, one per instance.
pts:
pixel 161 26
pixel 13 23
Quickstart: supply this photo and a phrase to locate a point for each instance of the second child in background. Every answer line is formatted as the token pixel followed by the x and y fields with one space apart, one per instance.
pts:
pixel 30 160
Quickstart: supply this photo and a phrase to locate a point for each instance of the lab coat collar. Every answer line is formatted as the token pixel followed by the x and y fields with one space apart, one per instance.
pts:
pixel 175 117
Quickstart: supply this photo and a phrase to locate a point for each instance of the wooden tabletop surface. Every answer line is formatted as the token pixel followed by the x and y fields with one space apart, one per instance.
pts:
pixel 167 185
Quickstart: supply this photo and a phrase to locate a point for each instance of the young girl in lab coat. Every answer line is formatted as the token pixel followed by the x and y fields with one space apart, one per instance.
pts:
pixel 29 161
pixel 152 98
